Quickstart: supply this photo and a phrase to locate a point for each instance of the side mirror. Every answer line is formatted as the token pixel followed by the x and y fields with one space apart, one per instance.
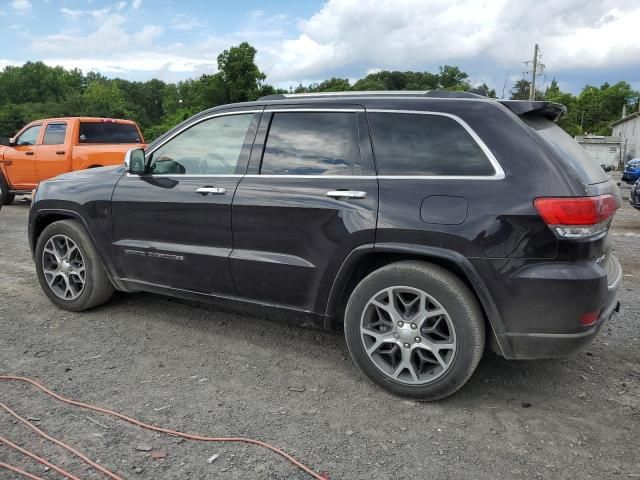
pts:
pixel 135 162
pixel 12 142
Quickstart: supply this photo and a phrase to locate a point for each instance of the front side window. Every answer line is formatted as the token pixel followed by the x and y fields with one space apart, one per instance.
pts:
pixel 109 132
pixel 311 143
pixel 54 134
pixel 29 136
pixel 211 147
pixel 430 145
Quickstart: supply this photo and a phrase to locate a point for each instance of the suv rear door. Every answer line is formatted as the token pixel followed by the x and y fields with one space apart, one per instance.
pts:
pixel 309 198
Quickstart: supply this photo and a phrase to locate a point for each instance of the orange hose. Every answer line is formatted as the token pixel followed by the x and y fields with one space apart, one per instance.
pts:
pixel 95 465
pixel 167 431
pixel 38 459
pixel 20 471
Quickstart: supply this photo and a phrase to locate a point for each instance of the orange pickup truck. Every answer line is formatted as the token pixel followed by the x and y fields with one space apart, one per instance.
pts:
pixel 46 148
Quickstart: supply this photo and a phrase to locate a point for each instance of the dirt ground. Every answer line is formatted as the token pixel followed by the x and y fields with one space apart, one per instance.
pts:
pixel 189 367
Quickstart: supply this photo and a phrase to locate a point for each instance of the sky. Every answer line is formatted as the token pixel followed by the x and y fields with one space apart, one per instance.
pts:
pixel 581 41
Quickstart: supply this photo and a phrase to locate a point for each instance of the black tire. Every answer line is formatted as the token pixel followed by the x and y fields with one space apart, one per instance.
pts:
pixel 97 287
pixel 5 197
pixel 464 313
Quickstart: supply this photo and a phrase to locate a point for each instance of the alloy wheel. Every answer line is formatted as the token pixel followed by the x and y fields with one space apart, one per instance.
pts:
pixel 63 267
pixel 408 335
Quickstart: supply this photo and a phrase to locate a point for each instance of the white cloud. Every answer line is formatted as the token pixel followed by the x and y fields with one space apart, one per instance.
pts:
pixel 186 23
pixel 22 7
pixel 355 37
pixel 405 34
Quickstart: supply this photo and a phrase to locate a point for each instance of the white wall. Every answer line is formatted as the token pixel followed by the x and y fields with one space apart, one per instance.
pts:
pixel 630 130
pixel 603 154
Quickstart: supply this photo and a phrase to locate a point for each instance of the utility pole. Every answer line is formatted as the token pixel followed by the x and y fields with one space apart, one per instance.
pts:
pixel 536 69
pixel 532 89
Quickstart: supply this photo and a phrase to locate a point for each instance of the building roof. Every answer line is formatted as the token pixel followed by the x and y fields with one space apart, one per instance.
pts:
pixel 624 119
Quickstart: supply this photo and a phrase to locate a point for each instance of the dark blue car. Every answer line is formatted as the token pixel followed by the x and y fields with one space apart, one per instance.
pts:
pixel 631 171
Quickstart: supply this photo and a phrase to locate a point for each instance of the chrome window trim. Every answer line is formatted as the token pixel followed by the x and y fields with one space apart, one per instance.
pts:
pixel 499 172
pixel 498 175
pixel 311 109
pixel 186 175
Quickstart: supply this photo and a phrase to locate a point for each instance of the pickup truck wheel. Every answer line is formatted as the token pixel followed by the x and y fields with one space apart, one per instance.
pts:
pixel 69 269
pixel 5 197
pixel 415 329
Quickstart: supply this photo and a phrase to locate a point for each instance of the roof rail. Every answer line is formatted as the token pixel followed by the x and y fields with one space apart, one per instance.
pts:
pixel 419 93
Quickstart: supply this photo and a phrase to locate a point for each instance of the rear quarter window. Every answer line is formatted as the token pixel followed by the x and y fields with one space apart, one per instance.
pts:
pixel 567 149
pixel 108 132
pixel 425 144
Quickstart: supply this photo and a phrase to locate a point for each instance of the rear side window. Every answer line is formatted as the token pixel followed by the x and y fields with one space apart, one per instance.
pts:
pixel 568 149
pixel 430 145
pixel 311 143
pixel 54 134
pixel 109 132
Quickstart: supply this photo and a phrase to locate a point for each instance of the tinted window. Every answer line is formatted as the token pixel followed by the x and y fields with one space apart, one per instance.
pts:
pixel 311 143
pixel 54 134
pixel 30 135
pixel 413 144
pixel 109 132
pixel 568 149
pixel 211 147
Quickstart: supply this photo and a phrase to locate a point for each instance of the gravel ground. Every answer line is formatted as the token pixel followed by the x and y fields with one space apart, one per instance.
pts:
pixel 190 367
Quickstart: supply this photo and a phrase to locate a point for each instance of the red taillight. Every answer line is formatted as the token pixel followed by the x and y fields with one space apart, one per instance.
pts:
pixel 577 217
pixel 576 211
pixel 590 318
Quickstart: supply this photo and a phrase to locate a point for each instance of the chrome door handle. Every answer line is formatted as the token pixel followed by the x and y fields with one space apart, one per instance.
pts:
pixel 211 190
pixel 346 194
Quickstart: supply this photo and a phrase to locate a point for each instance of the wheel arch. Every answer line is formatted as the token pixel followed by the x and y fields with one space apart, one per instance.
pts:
pixel 45 217
pixel 367 259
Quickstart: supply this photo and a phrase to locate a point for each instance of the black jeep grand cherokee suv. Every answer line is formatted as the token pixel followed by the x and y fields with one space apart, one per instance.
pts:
pixel 428 224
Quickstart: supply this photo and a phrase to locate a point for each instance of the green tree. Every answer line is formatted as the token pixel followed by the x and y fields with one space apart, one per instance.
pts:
pixel 452 78
pixel 104 99
pixel 240 75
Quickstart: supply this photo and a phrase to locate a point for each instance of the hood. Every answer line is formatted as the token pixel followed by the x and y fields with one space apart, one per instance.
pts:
pixel 89 174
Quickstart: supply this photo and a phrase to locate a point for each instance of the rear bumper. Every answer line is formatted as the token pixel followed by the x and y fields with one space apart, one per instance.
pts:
pixel 548 345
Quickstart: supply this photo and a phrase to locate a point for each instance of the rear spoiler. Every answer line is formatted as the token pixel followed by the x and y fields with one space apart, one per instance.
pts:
pixel 550 110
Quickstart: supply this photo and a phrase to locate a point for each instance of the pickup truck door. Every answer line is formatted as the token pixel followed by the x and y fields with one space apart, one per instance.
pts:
pixel 53 155
pixel 20 160
pixel 172 225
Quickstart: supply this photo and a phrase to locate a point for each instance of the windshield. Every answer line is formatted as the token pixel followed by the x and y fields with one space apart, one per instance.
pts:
pixel 109 132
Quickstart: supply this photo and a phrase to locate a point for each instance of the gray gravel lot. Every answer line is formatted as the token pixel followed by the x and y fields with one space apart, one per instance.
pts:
pixel 193 368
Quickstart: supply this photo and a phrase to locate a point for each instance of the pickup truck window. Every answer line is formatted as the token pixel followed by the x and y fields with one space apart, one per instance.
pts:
pixel 54 134
pixel 311 143
pixel 29 136
pixel 108 132
pixel 211 147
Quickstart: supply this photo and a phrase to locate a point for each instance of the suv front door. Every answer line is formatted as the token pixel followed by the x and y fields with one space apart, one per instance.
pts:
pixel 172 225
pixel 310 198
